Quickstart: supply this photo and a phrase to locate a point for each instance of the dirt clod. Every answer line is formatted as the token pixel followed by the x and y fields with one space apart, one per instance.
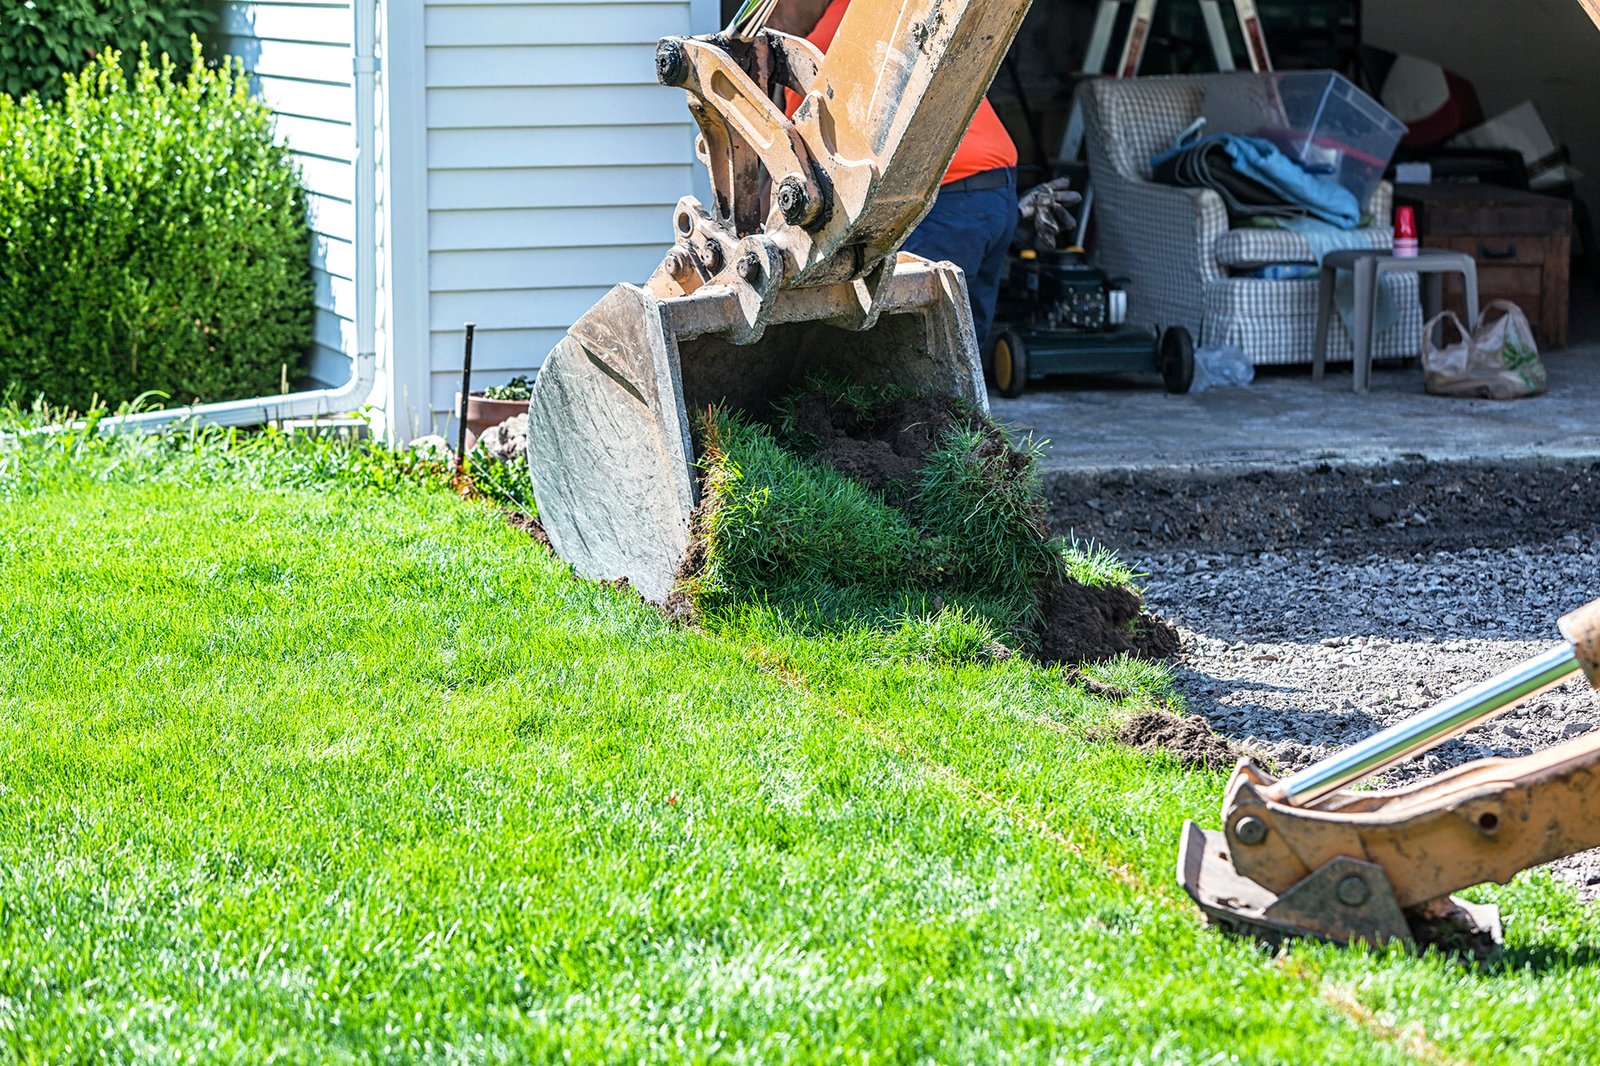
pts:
pixel 528 524
pixel 1190 740
pixel 1078 679
pixel 1079 624
pixel 886 446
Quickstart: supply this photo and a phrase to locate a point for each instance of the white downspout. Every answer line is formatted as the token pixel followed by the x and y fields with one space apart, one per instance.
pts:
pixel 364 365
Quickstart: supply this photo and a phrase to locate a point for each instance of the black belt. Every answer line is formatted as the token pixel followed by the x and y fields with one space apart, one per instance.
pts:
pixel 983 179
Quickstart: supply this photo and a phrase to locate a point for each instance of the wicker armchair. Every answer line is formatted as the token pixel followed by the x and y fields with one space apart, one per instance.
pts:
pixel 1178 252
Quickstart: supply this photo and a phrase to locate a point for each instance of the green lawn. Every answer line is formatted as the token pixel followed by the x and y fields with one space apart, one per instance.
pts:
pixel 304 765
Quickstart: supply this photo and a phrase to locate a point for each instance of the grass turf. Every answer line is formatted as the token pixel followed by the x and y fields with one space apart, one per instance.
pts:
pixel 299 762
pixel 785 530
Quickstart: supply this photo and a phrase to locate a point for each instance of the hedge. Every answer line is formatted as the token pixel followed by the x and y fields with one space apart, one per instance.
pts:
pixel 152 237
pixel 40 40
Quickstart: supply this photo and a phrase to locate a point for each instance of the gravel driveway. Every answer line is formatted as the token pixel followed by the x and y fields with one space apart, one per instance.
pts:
pixel 1317 606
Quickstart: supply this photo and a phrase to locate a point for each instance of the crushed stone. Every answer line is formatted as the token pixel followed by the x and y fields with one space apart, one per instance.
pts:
pixel 1299 639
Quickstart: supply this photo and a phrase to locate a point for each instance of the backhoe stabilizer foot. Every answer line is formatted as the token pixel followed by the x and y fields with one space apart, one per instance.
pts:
pixel 1345 901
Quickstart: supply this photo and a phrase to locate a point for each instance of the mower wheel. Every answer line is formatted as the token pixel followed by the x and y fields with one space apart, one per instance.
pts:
pixel 1175 359
pixel 1008 363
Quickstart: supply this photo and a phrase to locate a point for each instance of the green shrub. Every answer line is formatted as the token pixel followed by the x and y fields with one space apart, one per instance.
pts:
pixel 152 237
pixel 40 40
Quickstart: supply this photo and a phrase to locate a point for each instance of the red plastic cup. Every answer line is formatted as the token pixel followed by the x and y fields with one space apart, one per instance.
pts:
pixel 1405 232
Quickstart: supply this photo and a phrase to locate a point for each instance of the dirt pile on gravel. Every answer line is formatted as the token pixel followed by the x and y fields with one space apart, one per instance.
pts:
pixel 1407 505
pixel 1190 740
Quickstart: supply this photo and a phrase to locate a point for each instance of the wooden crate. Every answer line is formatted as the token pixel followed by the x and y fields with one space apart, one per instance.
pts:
pixel 1522 243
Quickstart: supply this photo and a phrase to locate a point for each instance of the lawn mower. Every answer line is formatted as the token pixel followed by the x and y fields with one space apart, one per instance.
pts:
pixel 1058 314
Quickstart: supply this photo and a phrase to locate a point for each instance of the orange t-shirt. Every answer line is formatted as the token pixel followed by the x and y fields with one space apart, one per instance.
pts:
pixel 987 145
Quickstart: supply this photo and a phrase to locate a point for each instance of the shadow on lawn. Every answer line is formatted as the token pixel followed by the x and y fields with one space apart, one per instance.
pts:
pixel 1542 957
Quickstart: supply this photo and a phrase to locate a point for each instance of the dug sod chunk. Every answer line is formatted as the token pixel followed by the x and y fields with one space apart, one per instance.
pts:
pixel 853 507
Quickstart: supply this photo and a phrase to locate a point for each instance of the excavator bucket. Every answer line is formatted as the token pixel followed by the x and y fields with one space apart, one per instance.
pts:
pixel 612 430
pixel 791 269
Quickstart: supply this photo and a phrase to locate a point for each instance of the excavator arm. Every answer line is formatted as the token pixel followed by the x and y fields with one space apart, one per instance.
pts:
pixel 1308 856
pixel 879 120
pixel 830 194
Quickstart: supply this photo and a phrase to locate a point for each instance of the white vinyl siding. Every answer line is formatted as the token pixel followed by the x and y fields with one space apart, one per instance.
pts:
pixel 299 56
pixel 553 162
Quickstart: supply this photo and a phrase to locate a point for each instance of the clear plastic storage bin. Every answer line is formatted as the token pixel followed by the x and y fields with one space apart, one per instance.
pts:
pixel 1317 117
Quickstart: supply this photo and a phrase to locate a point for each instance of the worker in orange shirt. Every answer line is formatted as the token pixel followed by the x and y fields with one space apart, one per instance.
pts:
pixel 975 214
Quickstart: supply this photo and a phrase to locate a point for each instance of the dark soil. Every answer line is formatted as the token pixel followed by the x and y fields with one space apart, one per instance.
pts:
pixel 1190 740
pixel 679 604
pixel 886 446
pixel 1408 505
pixel 1094 687
pixel 1081 624
pixel 528 524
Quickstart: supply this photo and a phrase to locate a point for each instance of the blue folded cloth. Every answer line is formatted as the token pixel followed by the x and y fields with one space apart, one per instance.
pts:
pixel 1262 161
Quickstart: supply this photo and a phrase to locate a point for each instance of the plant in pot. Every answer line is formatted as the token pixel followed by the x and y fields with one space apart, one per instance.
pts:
pixel 490 407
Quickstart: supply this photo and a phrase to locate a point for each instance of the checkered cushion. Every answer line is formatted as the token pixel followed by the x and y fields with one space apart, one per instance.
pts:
pixel 1252 246
pixel 1143 116
pixel 1275 322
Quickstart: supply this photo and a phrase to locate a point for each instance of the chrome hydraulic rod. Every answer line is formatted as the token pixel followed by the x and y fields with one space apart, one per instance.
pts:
pixel 1439 723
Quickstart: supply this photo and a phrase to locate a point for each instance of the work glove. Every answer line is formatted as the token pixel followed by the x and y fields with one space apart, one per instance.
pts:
pixel 1044 215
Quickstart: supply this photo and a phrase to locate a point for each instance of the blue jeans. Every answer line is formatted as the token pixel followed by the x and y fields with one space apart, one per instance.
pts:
pixel 973 230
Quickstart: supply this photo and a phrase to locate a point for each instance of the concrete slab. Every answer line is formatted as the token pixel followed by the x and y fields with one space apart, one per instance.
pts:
pixel 1286 419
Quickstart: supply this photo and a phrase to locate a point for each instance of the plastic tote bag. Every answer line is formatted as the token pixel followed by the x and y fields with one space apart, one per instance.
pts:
pixel 1498 361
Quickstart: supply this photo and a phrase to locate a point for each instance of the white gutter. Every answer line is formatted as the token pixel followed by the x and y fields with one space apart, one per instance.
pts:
pixel 256 411
pixel 316 403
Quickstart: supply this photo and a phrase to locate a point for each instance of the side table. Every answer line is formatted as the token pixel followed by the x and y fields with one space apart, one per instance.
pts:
pixel 1521 240
pixel 1367 265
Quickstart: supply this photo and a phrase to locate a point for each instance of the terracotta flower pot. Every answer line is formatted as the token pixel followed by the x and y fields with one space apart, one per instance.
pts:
pixel 484 414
